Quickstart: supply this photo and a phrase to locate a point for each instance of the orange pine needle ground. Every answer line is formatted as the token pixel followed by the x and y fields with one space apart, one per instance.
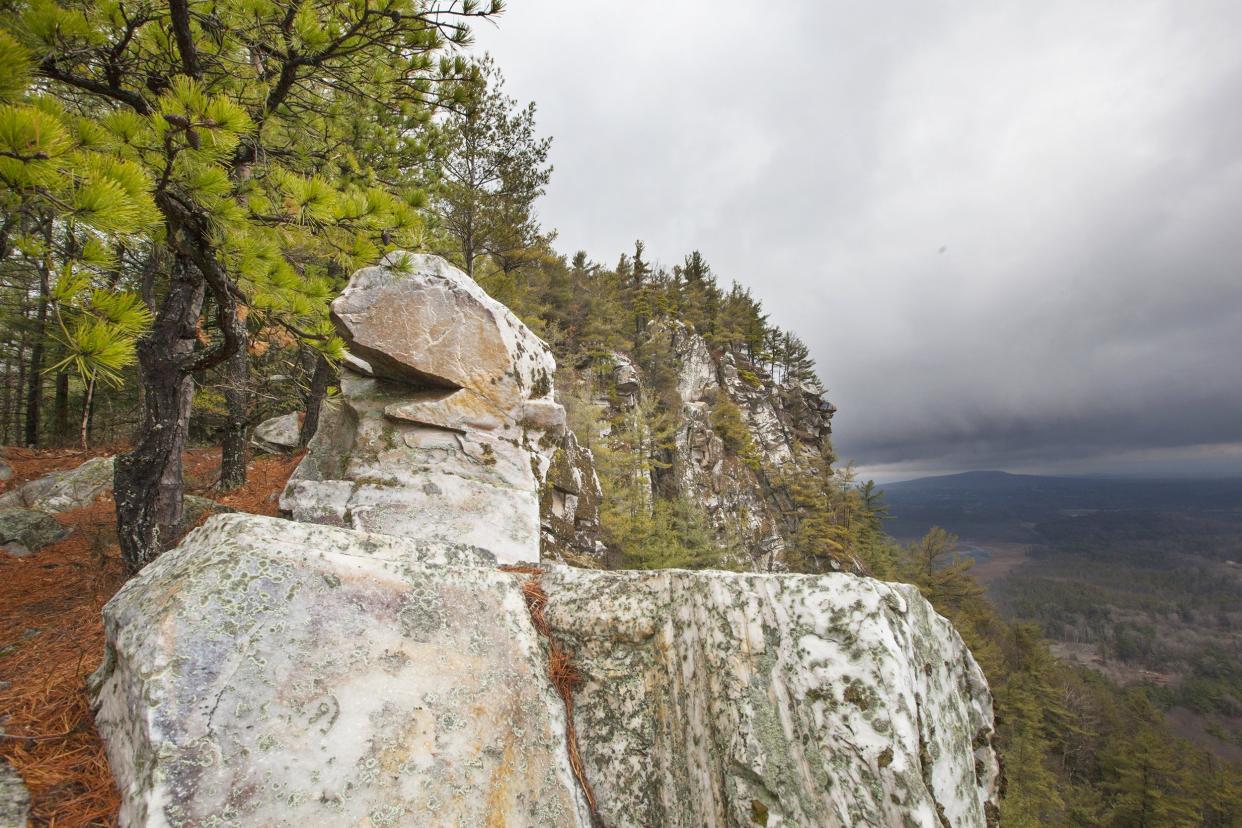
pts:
pixel 51 637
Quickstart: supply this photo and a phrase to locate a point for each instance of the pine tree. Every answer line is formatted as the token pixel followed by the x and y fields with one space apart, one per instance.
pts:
pixel 71 206
pixel 241 123
pixel 492 166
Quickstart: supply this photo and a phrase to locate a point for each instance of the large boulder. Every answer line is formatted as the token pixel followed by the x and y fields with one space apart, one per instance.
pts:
pixel 446 425
pixel 281 674
pixel 63 491
pixel 714 698
pixel 278 434
pixel 25 531
pixel 417 318
pixel 272 673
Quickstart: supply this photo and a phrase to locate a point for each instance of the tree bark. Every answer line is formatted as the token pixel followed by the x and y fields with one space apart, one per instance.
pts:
pixel 60 408
pixel 148 481
pixel 34 395
pixel 16 417
pixel 6 392
pixel 237 403
pixel 322 377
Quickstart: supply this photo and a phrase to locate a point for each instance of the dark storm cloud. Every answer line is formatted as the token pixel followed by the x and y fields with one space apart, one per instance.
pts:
pixel 1010 232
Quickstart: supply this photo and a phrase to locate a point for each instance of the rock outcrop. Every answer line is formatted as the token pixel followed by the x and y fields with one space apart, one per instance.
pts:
pixel 278 435
pixel 63 490
pixel 385 671
pixel 447 424
pixel 569 508
pixel 735 699
pixel 25 531
pixel 281 674
pixel 272 673
pixel 785 422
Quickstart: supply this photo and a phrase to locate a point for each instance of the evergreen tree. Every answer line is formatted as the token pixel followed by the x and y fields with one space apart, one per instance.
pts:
pixel 240 122
pixel 492 166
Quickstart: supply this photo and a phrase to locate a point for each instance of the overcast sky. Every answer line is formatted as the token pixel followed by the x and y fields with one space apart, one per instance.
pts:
pixel 1011 232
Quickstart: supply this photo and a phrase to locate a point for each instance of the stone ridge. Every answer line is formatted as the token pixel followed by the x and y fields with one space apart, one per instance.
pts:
pixel 711 698
pixel 274 673
pixel 788 423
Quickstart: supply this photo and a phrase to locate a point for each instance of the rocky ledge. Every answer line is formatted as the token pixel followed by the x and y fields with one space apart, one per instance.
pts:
pixel 386 671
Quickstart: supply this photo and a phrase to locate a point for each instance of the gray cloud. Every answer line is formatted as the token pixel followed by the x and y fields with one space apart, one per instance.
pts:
pixel 1079 165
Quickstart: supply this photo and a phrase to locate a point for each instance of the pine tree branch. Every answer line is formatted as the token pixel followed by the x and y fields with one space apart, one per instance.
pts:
pixel 49 69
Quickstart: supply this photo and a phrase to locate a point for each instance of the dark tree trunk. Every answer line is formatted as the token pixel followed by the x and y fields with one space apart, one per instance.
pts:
pixel 322 377
pixel 34 396
pixel 60 408
pixel 148 480
pixel 6 392
pixel 237 404
pixel 16 417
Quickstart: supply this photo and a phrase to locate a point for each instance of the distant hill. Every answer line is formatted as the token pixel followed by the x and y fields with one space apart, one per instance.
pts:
pixel 996 505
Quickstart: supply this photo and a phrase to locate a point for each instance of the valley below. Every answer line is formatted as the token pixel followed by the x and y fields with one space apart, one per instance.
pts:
pixel 1138 581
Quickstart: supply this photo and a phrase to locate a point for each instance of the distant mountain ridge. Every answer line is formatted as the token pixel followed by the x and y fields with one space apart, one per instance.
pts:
pixel 998 505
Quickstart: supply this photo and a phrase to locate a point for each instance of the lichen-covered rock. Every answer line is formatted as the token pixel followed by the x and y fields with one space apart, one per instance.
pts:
pixel 14 798
pixel 278 434
pixel 195 509
pixel 447 422
pixel 720 699
pixel 786 424
pixel 6 471
pixel 274 673
pixel 63 490
pixel 281 674
pixel 569 508
pixel 369 469
pixel 25 531
pixel 417 318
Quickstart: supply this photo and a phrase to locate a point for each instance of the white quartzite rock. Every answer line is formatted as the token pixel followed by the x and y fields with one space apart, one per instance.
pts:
pixel 267 673
pixel 279 674
pixel 722 699
pixel 447 427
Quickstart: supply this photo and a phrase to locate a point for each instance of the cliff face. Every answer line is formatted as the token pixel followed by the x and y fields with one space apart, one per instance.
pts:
pixel 737 432
pixel 384 671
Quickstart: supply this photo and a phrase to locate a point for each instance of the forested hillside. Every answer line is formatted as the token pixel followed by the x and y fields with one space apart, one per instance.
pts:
pixel 184 189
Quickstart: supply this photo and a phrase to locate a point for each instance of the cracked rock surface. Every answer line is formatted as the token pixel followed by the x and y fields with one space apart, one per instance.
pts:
pixel 714 698
pixel 280 674
pixel 447 424
pixel 272 673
